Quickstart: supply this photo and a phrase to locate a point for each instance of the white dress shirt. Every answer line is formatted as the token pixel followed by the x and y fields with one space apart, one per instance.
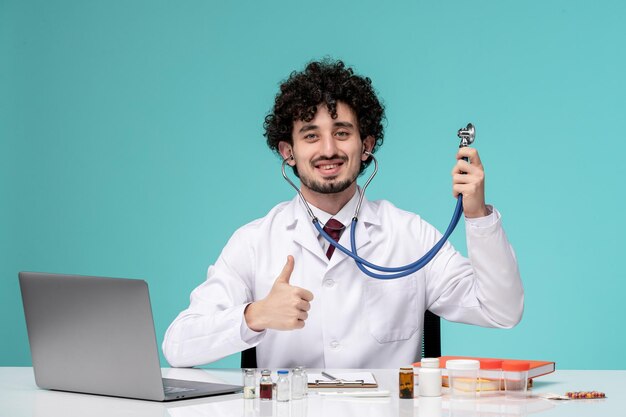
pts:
pixel 355 321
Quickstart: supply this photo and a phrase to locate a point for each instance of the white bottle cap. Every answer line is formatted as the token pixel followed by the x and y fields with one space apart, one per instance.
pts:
pixel 463 364
pixel 430 363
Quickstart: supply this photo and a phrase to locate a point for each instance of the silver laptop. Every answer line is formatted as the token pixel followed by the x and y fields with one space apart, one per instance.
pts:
pixel 96 335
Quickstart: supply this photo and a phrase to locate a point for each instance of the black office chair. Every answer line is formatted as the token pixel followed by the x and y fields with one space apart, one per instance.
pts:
pixel 431 338
pixel 431 342
pixel 248 358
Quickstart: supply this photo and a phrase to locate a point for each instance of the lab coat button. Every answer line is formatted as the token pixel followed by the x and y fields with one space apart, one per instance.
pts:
pixel 334 344
pixel 329 283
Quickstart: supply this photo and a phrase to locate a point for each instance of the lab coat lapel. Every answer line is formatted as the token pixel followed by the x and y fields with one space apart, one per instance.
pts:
pixel 367 219
pixel 304 233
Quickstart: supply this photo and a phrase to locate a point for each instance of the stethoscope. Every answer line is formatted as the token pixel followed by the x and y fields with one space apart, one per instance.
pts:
pixel 467 135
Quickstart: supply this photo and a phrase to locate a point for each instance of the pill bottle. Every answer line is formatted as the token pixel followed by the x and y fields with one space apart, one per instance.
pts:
pixel 282 386
pixel 266 385
pixel 430 382
pixel 463 377
pixel 406 383
pixel 426 363
pixel 490 377
pixel 515 375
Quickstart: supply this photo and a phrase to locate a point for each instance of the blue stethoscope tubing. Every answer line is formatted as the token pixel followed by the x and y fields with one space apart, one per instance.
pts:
pixel 362 264
pixel 401 271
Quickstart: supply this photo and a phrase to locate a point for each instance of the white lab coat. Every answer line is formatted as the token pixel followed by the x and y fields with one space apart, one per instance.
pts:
pixel 355 321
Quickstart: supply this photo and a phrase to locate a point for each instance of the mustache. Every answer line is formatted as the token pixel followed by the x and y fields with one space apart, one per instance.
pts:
pixel 325 158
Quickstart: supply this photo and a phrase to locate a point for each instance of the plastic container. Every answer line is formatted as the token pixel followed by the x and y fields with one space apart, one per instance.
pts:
pixel 490 377
pixel 282 386
pixel 463 377
pixel 515 375
pixel 430 382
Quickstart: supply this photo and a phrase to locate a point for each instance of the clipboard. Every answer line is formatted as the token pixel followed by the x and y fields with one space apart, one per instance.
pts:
pixel 342 380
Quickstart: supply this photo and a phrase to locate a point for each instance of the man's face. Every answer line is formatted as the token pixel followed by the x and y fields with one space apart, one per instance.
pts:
pixel 328 152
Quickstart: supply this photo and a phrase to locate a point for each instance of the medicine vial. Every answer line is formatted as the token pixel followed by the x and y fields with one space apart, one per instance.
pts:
pixel 249 384
pixel 296 384
pixel 305 381
pixel 266 385
pixel 406 382
pixel 282 386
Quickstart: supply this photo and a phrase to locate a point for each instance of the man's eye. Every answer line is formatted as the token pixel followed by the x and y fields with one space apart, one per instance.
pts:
pixel 342 134
pixel 310 136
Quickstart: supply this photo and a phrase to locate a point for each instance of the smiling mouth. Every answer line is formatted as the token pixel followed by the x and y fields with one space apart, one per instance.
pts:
pixel 329 164
pixel 328 167
pixel 329 171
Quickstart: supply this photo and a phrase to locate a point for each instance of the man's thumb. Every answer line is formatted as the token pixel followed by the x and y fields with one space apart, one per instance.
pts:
pixel 285 274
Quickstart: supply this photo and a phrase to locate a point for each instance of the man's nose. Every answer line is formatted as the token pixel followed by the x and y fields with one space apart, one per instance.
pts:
pixel 329 146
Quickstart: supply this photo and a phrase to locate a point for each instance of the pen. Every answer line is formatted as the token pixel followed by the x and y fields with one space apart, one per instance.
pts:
pixel 329 376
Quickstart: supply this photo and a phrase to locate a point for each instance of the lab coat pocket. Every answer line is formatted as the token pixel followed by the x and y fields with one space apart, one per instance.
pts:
pixel 391 308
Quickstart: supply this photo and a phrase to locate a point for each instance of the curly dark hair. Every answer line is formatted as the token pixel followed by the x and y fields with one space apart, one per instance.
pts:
pixel 326 81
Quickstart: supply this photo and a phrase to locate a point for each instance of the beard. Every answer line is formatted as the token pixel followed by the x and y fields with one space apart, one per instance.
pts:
pixel 329 187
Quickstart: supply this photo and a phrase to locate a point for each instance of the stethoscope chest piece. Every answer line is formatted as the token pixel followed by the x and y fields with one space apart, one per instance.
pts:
pixel 467 135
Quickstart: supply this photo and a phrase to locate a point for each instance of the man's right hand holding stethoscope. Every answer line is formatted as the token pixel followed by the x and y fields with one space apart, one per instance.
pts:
pixel 468 178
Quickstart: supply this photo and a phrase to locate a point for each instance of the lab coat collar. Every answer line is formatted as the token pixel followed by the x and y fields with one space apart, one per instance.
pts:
pixel 344 216
pixel 306 235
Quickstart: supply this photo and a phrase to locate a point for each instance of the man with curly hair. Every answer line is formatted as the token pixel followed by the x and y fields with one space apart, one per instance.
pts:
pixel 279 286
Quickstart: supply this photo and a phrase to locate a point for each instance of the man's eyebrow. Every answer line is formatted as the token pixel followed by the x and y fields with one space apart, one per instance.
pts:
pixel 306 128
pixel 344 124
pixel 309 127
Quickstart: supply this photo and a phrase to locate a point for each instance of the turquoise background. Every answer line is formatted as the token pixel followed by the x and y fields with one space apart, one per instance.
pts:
pixel 131 143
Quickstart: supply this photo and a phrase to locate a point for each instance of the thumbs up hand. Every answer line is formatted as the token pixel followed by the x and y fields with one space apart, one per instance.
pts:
pixel 284 308
pixel 285 274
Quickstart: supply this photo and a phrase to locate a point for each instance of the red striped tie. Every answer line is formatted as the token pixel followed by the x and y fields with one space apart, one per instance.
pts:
pixel 334 228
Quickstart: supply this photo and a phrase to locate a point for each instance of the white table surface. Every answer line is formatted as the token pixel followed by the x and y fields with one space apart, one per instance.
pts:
pixel 20 397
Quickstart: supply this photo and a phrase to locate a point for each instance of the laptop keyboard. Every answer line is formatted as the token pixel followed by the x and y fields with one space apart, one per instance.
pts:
pixel 175 390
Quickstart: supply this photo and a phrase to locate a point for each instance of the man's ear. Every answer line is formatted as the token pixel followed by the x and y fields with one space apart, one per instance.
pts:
pixel 368 145
pixel 286 151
